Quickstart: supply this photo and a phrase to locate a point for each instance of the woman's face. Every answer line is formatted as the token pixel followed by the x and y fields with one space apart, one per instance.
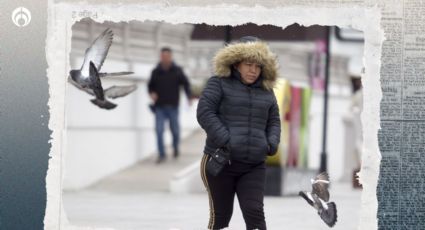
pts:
pixel 250 71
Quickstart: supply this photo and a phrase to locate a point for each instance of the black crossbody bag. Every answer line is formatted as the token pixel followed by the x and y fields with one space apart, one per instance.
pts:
pixel 217 161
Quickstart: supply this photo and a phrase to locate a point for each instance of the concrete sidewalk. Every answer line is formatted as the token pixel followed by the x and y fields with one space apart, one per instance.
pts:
pixel 139 198
pixel 147 176
pixel 161 210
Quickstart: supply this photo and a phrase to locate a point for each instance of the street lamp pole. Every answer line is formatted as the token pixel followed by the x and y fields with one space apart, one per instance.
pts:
pixel 323 155
pixel 228 34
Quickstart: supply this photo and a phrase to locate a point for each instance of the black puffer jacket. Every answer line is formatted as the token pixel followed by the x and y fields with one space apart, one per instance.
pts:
pixel 245 118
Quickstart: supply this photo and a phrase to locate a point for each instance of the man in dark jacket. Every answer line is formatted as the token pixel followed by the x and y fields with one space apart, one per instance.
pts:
pixel 164 90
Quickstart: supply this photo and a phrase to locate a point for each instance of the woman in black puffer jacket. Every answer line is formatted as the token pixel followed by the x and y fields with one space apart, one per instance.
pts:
pixel 239 113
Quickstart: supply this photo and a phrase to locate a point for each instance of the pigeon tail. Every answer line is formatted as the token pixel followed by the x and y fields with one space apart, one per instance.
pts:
pixel 329 216
pixel 105 104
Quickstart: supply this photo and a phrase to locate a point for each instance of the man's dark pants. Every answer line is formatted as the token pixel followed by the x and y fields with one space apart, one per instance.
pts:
pixel 170 113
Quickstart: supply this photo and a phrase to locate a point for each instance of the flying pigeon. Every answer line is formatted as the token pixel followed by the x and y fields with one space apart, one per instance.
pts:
pixel 319 199
pixel 87 78
pixel 111 92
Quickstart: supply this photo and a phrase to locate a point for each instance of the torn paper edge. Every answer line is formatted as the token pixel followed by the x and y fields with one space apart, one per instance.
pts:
pixel 58 46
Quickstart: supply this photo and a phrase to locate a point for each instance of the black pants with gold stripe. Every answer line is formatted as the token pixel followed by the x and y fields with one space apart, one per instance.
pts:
pixel 244 180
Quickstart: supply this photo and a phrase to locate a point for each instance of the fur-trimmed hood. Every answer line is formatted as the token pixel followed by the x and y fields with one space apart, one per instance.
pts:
pixel 257 51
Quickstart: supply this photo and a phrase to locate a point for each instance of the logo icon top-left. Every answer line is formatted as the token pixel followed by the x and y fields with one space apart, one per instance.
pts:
pixel 21 17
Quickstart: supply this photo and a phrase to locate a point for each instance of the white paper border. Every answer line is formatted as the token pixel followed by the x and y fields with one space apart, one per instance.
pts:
pixel 58 49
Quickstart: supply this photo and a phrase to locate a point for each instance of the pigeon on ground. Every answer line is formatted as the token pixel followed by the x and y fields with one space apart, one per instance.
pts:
pixel 319 199
pixel 87 78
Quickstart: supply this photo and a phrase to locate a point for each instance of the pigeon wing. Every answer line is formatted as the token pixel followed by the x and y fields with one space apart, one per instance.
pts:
pixel 322 176
pixel 320 186
pixel 87 90
pixel 329 216
pixel 114 74
pixel 97 52
pixel 112 92
pixel 96 84
pixel 119 91
pixel 307 197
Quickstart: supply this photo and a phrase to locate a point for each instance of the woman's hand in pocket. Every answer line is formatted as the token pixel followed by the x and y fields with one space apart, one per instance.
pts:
pixel 271 151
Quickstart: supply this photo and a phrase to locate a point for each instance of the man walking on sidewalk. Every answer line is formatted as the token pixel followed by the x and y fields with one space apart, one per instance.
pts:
pixel 164 90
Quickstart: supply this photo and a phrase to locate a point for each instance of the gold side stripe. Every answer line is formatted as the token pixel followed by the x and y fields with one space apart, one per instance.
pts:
pixel 204 159
pixel 204 179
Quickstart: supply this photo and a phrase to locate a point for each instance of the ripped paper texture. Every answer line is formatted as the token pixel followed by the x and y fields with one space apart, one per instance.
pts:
pixel 360 17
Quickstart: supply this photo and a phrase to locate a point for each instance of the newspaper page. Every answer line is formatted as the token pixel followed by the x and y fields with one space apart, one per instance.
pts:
pixel 401 138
